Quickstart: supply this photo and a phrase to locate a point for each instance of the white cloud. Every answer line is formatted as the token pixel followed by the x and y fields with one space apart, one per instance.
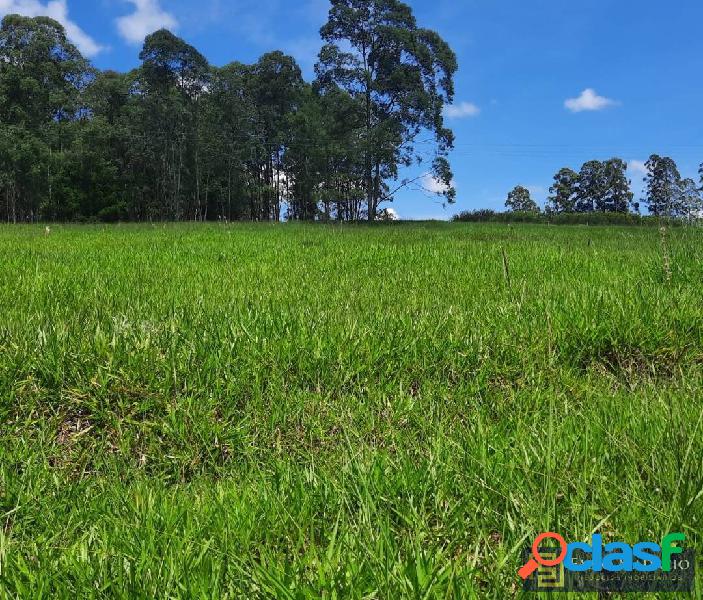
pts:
pixel 147 18
pixel 588 100
pixel 637 167
pixel 392 214
pixel 461 110
pixel 433 185
pixel 57 10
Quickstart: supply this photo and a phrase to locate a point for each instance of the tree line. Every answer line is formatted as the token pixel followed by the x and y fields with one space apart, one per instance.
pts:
pixel 603 186
pixel 180 139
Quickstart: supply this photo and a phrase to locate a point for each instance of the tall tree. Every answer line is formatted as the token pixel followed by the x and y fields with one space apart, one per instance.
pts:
pixel 177 139
pixel 689 204
pixel 41 72
pixel 617 196
pixel 23 172
pixel 108 95
pixel 275 84
pixel 592 186
pixel 42 77
pixel 520 200
pixel 663 186
pixel 228 136
pixel 324 160
pixel 172 78
pixel 404 76
pixel 564 191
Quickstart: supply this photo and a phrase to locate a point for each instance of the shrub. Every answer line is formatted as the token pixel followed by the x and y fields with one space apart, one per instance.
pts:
pixel 114 213
pixel 590 218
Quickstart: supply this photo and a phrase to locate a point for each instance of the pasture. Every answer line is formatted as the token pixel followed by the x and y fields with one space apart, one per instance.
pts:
pixel 299 411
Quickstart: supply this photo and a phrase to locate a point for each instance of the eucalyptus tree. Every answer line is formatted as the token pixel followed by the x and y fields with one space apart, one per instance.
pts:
pixel 592 186
pixel 344 182
pixel 403 74
pixel 42 77
pixel 41 72
pixel 323 159
pixel 178 139
pixel 227 136
pixel 564 191
pixel 108 94
pixel 617 195
pixel 308 155
pixel 663 186
pixel 98 167
pixel 23 173
pixel 690 202
pixel 172 78
pixel 520 200
pixel 275 83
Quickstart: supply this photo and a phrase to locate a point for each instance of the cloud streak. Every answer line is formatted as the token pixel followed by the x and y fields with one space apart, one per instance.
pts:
pixel 461 110
pixel 589 100
pixel 57 10
pixel 148 16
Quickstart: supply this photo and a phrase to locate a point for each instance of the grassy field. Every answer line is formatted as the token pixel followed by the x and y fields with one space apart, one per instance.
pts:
pixel 255 411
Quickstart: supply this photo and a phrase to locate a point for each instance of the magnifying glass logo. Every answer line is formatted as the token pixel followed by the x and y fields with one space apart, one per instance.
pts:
pixel 536 560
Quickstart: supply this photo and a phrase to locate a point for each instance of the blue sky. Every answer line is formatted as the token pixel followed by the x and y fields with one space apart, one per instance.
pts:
pixel 541 85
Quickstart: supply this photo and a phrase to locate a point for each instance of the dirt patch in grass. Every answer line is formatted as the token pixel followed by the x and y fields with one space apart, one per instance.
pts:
pixel 632 365
pixel 71 429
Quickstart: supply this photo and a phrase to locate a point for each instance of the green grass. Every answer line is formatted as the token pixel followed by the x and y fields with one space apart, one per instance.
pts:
pixel 342 412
